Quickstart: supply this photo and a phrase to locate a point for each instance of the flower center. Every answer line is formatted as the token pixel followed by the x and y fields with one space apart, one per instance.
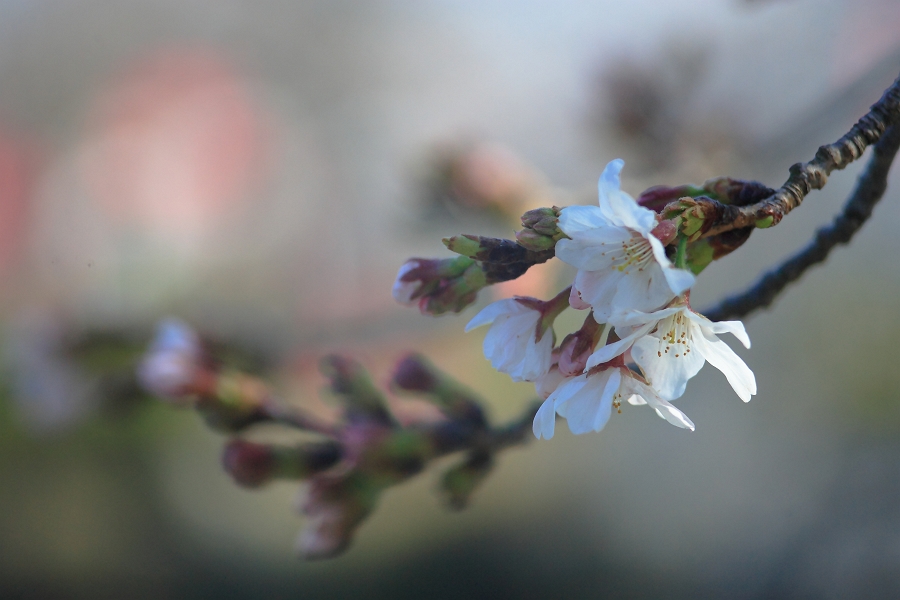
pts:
pixel 674 334
pixel 635 253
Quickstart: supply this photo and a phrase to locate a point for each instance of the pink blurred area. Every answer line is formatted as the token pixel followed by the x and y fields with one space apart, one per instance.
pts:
pixel 19 169
pixel 176 142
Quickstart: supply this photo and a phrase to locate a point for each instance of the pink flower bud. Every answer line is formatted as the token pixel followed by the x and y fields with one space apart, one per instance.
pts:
pixel 665 232
pixel 575 300
pixel 574 352
pixel 405 286
pixel 251 465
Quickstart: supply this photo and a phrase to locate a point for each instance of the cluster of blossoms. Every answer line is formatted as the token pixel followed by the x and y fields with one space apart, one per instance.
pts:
pixel 641 342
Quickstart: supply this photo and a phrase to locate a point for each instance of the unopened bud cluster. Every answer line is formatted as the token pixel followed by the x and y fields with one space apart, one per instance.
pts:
pixel 358 457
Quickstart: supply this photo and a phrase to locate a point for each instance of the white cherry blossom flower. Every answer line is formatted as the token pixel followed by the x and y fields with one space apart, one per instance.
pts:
pixel 514 344
pixel 621 265
pixel 672 345
pixel 586 402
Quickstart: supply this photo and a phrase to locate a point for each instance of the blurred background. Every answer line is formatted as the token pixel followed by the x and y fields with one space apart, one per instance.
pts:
pixel 261 169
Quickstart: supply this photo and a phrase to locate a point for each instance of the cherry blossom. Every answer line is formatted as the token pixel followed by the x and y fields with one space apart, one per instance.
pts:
pixel 673 344
pixel 586 402
pixel 621 264
pixel 518 342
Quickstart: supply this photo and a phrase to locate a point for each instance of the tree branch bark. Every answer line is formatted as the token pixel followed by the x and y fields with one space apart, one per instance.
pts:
pixel 869 190
pixel 813 175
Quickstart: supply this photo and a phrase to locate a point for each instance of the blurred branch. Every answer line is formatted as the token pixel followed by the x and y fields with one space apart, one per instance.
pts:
pixel 869 190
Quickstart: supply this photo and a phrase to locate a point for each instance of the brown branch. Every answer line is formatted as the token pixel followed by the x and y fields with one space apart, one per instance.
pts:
pixel 869 190
pixel 813 175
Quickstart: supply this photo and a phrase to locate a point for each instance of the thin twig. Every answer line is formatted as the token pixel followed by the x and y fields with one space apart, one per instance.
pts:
pixel 814 174
pixel 869 189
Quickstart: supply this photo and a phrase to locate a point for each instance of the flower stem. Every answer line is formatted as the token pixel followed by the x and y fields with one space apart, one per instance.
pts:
pixel 681 253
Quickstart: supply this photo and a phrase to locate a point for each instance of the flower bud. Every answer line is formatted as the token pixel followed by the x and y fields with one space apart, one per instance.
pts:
pixel 404 288
pixel 413 373
pixel 250 465
pixel 173 361
pixel 535 241
pixel 350 380
pixel 459 482
pixel 464 245
pixel 416 374
pixel 574 352
pixel 335 506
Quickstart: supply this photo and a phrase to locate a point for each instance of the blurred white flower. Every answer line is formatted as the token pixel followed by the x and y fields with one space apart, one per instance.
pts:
pixel 671 346
pixel 517 343
pixel 586 402
pixel 50 392
pixel 172 362
pixel 621 265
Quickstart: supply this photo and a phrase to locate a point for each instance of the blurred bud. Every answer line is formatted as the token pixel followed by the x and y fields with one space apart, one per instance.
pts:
pixel 335 506
pixel 361 398
pixel 439 286
pixel 170 368
pixel 416 374
pixel 413 373
pixel 489 177
pixel 249 464
pixel 453 295
pixel 252 465
pixel 459 482
pixel 404 289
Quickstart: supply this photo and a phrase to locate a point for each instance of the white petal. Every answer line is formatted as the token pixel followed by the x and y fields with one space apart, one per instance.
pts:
pixel 679 280
pixel 544 421
pixel 598 289
pixel 663 408
pixel 643 291
pixel 735 328
pixel 636 318
pixel 610 351
pixel 493 310
pixel 537 357
pixel 667 374
pixel 724 359
pixel 593 252
pixel 617 206
pixel 604 410
pixel 587 401
pixel 578 220
pixel 636 400
pixel 403 290
pixel 547 383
